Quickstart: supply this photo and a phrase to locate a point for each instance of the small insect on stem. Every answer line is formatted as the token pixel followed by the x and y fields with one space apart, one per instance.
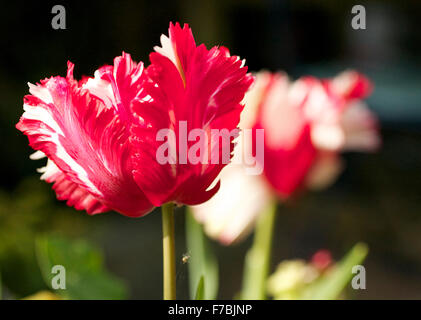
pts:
pixel 185 258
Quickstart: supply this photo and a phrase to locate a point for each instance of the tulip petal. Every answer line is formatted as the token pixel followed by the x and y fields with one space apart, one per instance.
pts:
pixel 361 128
pixel 231 214
pixel 289 151
pixel 65 189
pixel 324 171
pixel 119 85
pixel 351 85
pixel 87 141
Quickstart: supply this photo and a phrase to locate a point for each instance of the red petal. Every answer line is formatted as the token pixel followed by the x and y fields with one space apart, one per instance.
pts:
pixel 75 195
pixel 188 83
pixel 86 140
pixel 289 151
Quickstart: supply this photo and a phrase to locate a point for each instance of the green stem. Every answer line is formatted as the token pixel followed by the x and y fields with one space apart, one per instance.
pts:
pixel 257 263
pixel 168 250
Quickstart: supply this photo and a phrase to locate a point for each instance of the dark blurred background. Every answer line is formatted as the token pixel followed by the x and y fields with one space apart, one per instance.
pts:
pixel 377 199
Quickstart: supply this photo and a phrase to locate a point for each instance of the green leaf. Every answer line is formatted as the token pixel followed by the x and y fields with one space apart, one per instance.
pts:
pixel 85 274
pixel 330 286
pixel 258 257
pixel 200 292
pixel 202 262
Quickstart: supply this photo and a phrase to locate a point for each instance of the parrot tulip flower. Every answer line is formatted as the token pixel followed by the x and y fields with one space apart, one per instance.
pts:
pixel 101 134
pixel 307 123
pixel 198 91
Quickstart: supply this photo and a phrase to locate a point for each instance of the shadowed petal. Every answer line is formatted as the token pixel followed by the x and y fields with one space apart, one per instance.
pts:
pixel 87 141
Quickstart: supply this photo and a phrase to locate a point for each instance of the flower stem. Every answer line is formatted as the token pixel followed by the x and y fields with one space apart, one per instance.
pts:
pixel 257 263
pixel 168 246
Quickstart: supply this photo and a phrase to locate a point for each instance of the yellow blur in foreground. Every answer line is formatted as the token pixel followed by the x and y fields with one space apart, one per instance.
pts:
pixel 43 295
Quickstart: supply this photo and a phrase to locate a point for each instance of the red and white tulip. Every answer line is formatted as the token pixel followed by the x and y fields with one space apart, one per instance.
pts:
pixel 100 134
pixel 306 123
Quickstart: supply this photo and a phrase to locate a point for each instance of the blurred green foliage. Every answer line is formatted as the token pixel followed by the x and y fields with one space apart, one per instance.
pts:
pixel 203 264
pixel 331 285
pixel 85 275
pixel 297 279
pixel 24 213
pixel 200 291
